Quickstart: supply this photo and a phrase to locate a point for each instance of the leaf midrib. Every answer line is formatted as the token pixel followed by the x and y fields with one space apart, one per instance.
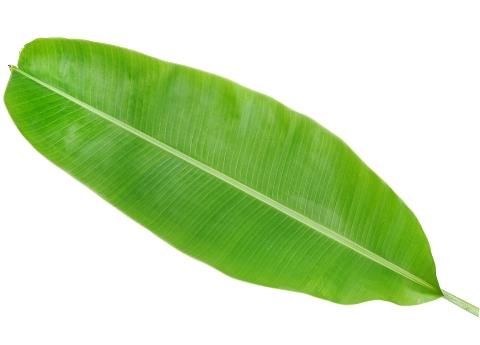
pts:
pixel 237 184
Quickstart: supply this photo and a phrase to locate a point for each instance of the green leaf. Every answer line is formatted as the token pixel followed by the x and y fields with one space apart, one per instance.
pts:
pixel 223 173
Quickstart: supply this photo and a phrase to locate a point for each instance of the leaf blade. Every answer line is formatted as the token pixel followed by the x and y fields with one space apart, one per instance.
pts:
pixel 370 286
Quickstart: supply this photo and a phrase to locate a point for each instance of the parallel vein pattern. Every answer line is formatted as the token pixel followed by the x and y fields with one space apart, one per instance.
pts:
pixel 225 174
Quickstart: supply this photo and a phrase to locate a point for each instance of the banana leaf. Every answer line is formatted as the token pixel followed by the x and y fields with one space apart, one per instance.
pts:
pixel 225 174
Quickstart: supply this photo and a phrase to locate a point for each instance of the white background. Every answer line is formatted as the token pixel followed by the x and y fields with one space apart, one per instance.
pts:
pixel 397 80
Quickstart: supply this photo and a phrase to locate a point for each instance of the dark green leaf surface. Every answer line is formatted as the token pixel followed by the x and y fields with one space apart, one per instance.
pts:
pixel 223 173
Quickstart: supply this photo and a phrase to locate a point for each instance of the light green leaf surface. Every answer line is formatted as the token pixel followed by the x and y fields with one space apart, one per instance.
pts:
pixel 225 174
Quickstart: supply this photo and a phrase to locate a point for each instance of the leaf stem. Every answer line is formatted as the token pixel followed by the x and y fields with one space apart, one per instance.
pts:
pixel 461 303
